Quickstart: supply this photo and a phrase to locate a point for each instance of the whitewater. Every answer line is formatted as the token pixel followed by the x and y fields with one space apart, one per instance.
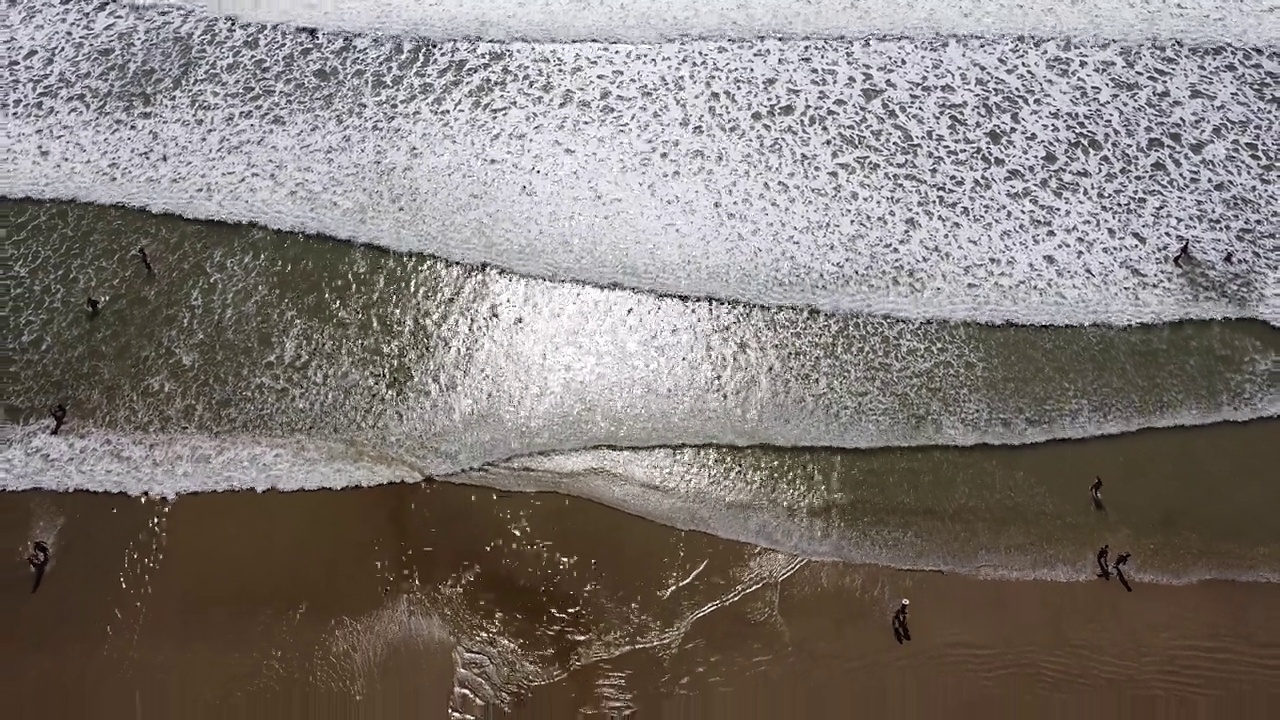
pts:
pixel 640 21
pixel 895 164
pixel 974 177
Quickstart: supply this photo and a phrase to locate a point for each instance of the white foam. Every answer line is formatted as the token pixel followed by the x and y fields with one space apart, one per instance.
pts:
pixel 690 490
pixel 686 488
pixel 657 20
pixel 991 180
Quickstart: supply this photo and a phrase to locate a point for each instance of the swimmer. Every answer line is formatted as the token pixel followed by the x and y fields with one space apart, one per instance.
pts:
pixel 38 560
pixel 1183 253
pixel 59 413
pixel 92 303
pixel 146 261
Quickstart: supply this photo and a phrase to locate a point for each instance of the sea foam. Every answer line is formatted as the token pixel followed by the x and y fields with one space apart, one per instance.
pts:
pixel 1249 21
pixel 993 180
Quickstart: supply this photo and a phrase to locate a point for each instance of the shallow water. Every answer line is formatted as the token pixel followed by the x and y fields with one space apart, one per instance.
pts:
pixel 253 359
pixel 756 286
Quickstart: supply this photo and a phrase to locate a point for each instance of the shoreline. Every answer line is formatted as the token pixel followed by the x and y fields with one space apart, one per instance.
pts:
pixel 1184 530
pixel 387 601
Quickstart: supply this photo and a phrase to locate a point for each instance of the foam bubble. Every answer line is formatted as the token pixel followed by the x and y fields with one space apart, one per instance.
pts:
pixel 992 180
pixel 657 20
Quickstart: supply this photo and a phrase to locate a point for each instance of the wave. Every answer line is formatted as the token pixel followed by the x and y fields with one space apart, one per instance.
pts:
pixel 919 510
pixel 992 180
pixel 244 332
pixel 639 21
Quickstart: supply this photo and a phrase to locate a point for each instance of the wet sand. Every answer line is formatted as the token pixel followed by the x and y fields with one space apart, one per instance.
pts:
pixel 412 600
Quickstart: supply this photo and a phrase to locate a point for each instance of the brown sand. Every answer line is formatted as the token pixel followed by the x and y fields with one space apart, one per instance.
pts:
pixel 361 603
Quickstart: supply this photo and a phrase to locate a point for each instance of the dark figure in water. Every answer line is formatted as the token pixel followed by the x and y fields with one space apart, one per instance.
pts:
pixel 1121 559
pixel 59 413
pixel 900 631
pixel 92 303
pixel 1103 552
pixel 1184 252
pixel 146 261
pixel 1230 257
pixel 38 560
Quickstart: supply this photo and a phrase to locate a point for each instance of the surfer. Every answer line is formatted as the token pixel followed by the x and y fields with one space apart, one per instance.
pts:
pixel 59 413
pixel 1103 552
pixel 1095 490
pixel 1183 253
pixel 146 261
pixel 38 560
pixel 92 303
pixel 1121 559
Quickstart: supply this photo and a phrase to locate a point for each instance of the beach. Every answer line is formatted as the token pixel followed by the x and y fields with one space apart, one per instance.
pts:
pixel 417 600
pixel 640 358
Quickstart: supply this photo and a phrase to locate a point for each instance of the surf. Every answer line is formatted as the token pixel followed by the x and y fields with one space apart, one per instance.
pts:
pixel 861 507
pixel 978 179
pixel 642 21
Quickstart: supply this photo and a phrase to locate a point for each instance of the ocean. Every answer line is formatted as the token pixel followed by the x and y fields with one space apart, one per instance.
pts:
pixel 838 281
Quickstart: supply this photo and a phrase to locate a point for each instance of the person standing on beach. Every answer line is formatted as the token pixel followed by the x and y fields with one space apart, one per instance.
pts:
pixel 1103 552
pixel 38 560
pixel 59 413
pixel 900 630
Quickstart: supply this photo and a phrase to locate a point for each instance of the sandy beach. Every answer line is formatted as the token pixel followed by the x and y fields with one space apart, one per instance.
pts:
pixel 638 359
pixel 421 600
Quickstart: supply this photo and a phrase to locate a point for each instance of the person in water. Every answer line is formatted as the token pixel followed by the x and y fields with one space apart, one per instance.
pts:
pixel 1095 489
pixel 900 615
pixel 146 261
pixel 1103 552
pixel 92 303
pixel 1184 252
pixel 59 413
pixel 38 560
pixel 1121 559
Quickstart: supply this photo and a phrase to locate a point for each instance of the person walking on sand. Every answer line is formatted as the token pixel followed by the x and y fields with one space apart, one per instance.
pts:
pixel 1103 552
pixel 38 560
pixel 59 413
pixel 900 630
pixel 146 261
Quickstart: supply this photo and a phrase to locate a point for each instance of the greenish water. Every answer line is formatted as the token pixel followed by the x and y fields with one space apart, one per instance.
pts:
pixel 255 359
